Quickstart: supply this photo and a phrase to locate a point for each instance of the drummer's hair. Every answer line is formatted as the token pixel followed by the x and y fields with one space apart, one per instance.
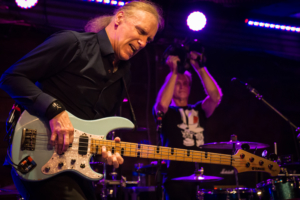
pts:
pixel 189 76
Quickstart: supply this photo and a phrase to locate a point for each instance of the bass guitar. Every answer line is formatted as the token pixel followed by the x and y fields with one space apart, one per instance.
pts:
pixel 35 159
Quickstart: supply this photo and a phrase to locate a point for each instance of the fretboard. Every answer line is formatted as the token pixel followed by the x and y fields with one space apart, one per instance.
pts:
pixel 159 152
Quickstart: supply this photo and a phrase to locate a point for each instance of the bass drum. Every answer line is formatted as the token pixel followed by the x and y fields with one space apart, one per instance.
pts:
pixel 228 194
pixel 279 188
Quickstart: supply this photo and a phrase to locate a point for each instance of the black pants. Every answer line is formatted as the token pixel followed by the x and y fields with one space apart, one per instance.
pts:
pixel 64 186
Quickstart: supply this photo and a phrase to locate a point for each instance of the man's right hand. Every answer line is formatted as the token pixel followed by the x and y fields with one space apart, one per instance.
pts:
pixel 172 63
pixel 62 131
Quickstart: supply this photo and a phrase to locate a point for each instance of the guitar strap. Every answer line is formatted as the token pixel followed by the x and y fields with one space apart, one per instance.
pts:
pixel 11 121
pixel 130 105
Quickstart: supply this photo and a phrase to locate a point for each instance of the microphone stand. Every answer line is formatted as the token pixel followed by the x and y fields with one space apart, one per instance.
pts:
pixel 158 188
pixel 260 97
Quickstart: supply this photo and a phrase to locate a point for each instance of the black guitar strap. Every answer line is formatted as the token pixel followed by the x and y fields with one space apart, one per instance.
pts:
pixel 11 122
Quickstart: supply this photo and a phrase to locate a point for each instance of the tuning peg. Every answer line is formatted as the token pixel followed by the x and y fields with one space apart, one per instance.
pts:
pixel 245 147
pixel 273 157
pixel 264 154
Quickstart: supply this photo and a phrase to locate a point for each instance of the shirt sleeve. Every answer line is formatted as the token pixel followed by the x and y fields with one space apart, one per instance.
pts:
pixel 198 106
pixel 44 61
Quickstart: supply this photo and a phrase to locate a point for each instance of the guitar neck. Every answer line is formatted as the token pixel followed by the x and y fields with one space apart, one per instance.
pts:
pixel 159 152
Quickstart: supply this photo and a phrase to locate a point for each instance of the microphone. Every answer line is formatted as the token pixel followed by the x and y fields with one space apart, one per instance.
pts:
pixel 248 86
pixel 234 79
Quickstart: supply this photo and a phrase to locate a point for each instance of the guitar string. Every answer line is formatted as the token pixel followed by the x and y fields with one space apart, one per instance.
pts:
pixel 110 141
pixel 163 153
pixel 154 147
pixel 145 145
pixel 212 159
pixel 165 149
pixel 212 155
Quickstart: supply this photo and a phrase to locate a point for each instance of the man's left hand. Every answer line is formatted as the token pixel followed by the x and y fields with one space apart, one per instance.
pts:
pixel 112 159
pixel 195 61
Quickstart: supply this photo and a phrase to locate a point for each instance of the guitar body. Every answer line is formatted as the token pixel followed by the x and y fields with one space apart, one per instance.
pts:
pixel 77 157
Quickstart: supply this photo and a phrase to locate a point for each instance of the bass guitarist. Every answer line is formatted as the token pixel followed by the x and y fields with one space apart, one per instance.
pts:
pixel 85 74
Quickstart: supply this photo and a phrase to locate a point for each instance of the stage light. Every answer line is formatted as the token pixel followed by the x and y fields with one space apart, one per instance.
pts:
pixel 272 26
pixel 121 3
pixel 26 3
pixel 196 21
pixel 109 2
pixel 114 2
pixel 282 27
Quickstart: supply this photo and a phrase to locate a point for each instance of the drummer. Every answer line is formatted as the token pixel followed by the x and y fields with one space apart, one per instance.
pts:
pixel 183 124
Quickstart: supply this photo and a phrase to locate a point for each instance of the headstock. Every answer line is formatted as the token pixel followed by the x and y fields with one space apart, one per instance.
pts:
pixel 244 161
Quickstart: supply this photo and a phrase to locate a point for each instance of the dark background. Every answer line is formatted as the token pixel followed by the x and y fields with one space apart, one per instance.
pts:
pixel 267 59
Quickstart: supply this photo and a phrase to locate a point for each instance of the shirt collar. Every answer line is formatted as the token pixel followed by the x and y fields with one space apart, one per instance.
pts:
pixel 104 43
pixel 106 49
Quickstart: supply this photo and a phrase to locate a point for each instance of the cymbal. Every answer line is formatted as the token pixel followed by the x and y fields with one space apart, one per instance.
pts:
pixel 194 178
pixel 9 190
pixel 229 145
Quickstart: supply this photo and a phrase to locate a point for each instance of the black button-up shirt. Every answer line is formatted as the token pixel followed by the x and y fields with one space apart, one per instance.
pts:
pixel 75 68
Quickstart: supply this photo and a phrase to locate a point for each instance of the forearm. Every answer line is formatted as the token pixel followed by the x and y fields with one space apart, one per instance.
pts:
pixel 26 93
pixel 48 59
pixel 165 94
pixel 210 85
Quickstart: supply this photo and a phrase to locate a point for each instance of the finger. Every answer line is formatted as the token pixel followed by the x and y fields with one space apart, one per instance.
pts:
pixel 66 142
pixel 53 138
pixel 117 139
pixel 176 58
pixel 119 158
pixel 109 158
pixel 115 161
pixel 71 136
pixel 104 152
pixel 60 143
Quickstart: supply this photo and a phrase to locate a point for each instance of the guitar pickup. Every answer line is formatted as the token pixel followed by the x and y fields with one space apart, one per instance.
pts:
pixel 28 139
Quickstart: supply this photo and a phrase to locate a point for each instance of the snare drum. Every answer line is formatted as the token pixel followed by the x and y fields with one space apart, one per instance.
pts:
pixel 279 188
pixel 229 194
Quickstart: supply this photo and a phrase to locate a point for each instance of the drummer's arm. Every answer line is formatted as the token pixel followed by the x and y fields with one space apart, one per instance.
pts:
pixel 165 93
pixel 213 91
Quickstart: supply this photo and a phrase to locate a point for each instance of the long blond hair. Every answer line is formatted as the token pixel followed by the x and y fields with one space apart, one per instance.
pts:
pixel 99 23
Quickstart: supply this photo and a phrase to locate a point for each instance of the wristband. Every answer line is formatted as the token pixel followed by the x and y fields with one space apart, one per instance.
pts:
pixel 201 62
pixel 54 109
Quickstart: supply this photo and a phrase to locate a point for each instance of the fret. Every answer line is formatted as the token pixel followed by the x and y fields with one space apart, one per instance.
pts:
pixel 173 155
pixel 132 150
pixel 144 151
pixel 164 153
